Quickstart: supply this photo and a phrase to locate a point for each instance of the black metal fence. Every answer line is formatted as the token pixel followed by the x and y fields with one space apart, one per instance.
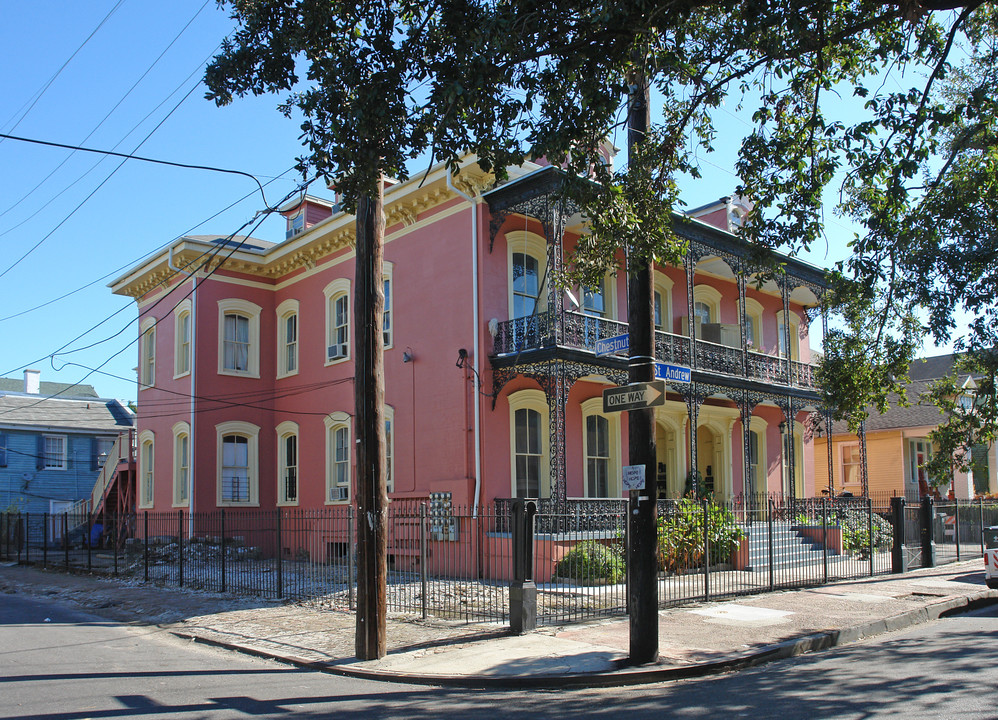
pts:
pixel 457 563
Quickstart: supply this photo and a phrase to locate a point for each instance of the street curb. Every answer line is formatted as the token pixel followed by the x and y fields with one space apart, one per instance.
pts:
pixel 627 675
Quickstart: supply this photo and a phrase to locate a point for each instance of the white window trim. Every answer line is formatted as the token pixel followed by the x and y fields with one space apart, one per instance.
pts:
pixel 388 273
pixel 521 241
pixel 339 286
pixel 251 311
pixel 794 334
pixel 183 309
pixel 334 421
pixel 147 363
pixel 663 286
pixel 146 437
pixel 760 426
pixel 754 312
pixel 64 464
pixel 532 400
pixel 284 311
pixel 609 299
pixel 181 429
pixel 842 466
pixel 710 296
pixel 252 433
pixel 594 406
pixel 390 446
pixel 285 429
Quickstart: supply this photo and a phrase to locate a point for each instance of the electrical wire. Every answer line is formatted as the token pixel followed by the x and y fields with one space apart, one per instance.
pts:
pixel 110 112
pixel 40 93
pixel 136 261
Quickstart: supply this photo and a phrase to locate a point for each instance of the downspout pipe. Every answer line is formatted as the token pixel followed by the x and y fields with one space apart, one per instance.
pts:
pixel 475 311
pixel 190 439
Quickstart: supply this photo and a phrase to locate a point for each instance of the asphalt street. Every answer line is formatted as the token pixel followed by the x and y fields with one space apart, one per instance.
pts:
pixel 58 663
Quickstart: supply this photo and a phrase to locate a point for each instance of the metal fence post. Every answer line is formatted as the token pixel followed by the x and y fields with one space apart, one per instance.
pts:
pixel 926 515
pixel 706 549
pixel 117 539
pixel 981 515
pixel 423 577
pixel 90 542
pixel 221 522
pixel 769 535
pixel 869 528
pixel 26 538
pixel 824 536
pixel 350 559
pixel 65 538
pixel 180 547
pixel 45 540
pixel 522 591
pixel 898 564
pixel 145 546
pixel 956 526
pixel 280 558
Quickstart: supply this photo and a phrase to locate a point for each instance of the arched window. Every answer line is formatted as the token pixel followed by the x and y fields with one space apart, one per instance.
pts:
pixel 338 457
pixel 600 444
pixel 287 463
pixel 182 333
pixel 147 462
pixel 528 444
pixel 238 337
pixel 238 452
pixel 337 320
pixel 181 463
pixel 287 338
pixel 147 370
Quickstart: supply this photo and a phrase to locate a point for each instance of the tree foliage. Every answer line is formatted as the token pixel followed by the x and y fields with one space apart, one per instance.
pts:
pixel 890 107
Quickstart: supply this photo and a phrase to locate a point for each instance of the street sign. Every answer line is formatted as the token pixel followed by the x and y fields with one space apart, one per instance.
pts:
pixel 634 477
pixel 634 396
pixel 673 373
pixel 608 346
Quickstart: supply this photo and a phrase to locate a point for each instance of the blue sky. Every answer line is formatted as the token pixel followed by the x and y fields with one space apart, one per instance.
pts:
pixel 52 94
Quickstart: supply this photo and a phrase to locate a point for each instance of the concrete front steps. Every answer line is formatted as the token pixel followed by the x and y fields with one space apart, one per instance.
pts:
pixel 790 549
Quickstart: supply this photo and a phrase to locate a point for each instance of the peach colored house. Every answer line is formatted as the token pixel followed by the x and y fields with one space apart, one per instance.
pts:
pixel 492 383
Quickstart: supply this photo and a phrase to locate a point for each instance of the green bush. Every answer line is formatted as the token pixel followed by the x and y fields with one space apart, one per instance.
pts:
pixel 590 563
pixel 856 532
pixel 681 535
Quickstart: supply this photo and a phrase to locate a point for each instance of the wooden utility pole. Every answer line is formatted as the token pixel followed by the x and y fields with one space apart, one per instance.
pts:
pixel 642 564
pixel 369 421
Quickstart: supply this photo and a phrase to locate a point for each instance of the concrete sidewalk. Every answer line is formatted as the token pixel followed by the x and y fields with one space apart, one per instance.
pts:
pixel 694 640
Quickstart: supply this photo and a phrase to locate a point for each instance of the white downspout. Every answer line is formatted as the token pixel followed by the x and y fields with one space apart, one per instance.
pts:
pixel 190 438
pixel 475 334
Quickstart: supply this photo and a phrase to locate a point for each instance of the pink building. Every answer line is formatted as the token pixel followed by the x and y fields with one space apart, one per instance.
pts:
pixel 493 385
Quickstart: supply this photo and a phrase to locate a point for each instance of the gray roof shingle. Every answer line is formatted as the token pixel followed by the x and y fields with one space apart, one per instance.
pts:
pixel 32 411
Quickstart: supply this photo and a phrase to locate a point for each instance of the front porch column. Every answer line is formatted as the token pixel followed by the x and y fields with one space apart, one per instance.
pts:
pixel 693 412
pixel 748 482
pixel 557 395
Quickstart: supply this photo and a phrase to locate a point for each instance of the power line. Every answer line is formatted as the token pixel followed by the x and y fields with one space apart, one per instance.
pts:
pixel 258 218
pixel 40 93
pixel 131 156
pixel 133 262
pixel 109 112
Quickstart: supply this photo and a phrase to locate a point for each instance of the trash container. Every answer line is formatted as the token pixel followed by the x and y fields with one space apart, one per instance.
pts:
pixel 991 556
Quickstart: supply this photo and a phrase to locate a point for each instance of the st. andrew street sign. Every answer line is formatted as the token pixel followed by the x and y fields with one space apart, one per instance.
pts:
pixel 634 396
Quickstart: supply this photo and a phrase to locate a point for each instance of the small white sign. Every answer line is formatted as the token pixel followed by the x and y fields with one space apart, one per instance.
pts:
pixel 634 477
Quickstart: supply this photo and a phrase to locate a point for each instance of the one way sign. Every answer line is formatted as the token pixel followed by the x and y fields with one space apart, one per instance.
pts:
pixel 634 396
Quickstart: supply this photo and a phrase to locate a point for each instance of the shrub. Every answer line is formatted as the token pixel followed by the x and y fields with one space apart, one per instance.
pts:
pixel 589 563
pixel 681 535
pixel 856 532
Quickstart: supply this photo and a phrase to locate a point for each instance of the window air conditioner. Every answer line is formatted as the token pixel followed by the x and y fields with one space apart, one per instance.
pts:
pixel 340 492
pixel 337 351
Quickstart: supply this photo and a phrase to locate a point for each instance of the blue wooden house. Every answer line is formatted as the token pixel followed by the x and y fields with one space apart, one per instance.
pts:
pixel 54 439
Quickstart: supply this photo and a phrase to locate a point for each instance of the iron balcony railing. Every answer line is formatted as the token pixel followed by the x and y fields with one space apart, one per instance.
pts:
pixel 580 331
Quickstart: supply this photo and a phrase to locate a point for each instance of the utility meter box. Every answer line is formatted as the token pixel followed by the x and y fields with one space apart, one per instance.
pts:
pixel 991 556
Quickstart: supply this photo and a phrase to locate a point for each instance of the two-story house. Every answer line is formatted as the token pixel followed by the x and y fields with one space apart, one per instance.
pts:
pixel 493 386
pixel 54 439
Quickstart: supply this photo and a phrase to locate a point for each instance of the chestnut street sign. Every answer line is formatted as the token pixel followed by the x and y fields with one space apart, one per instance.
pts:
pixel 634 396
